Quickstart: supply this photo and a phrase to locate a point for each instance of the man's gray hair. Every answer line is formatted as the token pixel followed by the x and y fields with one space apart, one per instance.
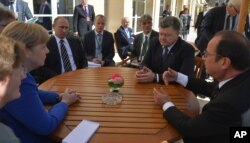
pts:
pixel 235 2
pixel 170 21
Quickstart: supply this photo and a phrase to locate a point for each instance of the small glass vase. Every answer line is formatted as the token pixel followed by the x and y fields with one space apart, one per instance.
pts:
pixel 113 97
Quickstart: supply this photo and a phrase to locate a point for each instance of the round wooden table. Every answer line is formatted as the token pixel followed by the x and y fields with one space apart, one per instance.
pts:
pixel 136 120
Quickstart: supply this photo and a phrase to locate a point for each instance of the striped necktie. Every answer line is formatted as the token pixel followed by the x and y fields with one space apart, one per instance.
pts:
pixel 144 48
pixel 65 57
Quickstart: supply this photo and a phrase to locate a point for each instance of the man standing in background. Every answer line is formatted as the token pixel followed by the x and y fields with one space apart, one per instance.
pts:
pixel 200 17
pixel 83 18
pixel 44 8
pixel 20 9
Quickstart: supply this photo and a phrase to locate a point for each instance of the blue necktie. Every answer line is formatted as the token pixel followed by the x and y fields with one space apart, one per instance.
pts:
pixel 164 54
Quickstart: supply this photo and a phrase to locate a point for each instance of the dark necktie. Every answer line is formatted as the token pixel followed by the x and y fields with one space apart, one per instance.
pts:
pixel 227 23
pixel 65 57
pixel 215 92
pixel 99 46
pixel 144 48
pixel 230 22
pixel 164 54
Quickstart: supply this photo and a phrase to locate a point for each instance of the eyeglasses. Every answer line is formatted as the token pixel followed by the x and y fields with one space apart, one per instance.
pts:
pixel 206 54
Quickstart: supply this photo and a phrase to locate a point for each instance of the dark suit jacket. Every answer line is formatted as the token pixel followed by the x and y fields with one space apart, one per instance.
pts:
pixel 80 23
pixel 52 64
pixel 198 22
pixel 212 23
pixel 108 51
pixel 47 24
pixel 221 113
pixel 180 58
pixel 138 43
pixel 125 44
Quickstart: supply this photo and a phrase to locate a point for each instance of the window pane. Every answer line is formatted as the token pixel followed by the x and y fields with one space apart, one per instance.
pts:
pixel 37 7
pixel 65 6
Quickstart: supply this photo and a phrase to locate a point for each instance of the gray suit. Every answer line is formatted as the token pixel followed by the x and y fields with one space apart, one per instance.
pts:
pixel 23 10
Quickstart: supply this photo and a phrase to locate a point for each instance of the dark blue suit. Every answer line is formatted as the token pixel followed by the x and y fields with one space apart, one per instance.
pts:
pixel 108 50
pixel 125 43
pixel 179 58
pixel 53 66
pixel 80 23
pixel 47 24
pixel 218 115
pixel 212 23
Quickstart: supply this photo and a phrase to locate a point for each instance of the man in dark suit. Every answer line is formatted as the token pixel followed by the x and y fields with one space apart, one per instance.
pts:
pixel 44 8
pixel 228 62
pixel 166 11
pixel 140 42
pixel 220 18
pixel 200 18
pixel 99 44
pixel 125 38
pixel 55 62
pixel 169 50
pixel 83 18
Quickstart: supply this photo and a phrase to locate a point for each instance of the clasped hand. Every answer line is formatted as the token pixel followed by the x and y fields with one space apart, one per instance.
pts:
pixel 144 75
pixel 69 96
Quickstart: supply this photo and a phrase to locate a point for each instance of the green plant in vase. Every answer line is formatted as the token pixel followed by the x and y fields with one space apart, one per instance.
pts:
pixel 115 82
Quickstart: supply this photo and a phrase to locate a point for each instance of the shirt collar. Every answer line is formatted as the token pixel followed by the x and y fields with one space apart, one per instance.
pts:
pixel 58 39
pixel 169 47
pixel 148 35
pixel 224 82
pixel 98 33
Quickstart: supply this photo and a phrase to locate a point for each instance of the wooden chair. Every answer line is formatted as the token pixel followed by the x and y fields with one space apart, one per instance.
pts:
pixel 123 61
pixel 199 66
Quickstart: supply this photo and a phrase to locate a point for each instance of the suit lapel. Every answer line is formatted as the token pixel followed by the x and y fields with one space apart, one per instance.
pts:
pixel 55 47
pixel 170 56
pixel 80 9
pixel 124 34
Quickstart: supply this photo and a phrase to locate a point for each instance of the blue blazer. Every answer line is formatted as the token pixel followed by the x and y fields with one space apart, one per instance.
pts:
pixel 180 58
pixel 125 44
pixel 28 118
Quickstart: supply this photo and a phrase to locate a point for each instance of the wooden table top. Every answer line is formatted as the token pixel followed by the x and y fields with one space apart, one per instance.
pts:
pixel 136 120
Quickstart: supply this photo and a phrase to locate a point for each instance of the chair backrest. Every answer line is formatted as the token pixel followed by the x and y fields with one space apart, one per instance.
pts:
pixel 199 65
pixel 116 41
